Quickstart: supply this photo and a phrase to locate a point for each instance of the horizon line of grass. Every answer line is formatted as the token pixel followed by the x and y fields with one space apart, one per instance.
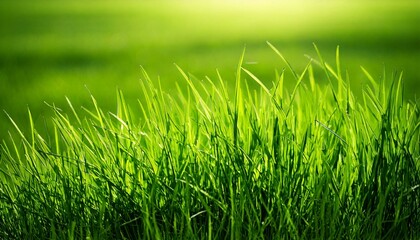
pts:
pixel 311 163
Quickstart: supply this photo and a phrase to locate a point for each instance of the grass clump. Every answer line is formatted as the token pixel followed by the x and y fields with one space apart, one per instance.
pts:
pixel 313 163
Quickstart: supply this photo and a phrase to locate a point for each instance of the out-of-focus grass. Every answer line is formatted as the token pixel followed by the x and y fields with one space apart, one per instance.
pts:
pixel 262 163
pixel 52 49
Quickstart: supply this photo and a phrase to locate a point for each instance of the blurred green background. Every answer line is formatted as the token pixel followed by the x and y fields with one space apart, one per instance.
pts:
pixel 53 49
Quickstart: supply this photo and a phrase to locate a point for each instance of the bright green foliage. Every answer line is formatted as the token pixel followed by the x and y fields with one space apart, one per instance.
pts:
pixel 312 163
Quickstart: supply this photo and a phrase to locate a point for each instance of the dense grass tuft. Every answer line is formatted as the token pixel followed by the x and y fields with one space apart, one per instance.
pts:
pixel 314 162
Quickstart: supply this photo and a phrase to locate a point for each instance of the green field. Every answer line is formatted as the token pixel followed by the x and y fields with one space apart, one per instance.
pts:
pixel 209 120
pixel 207 163
pixel 49 50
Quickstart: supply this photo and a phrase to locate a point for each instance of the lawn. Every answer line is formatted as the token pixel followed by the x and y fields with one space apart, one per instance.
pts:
pixel 314 162
pixel 49 50
pixel 209 119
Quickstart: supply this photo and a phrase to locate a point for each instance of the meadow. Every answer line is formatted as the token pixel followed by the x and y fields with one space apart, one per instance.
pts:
pixel 209 119
pixel 313 162
pixel 49 50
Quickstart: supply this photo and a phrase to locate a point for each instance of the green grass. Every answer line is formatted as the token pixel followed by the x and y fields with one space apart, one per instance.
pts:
pixel 52 49
pixel 222 161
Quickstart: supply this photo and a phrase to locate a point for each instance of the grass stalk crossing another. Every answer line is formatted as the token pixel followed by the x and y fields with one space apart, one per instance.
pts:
pixel 314 163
